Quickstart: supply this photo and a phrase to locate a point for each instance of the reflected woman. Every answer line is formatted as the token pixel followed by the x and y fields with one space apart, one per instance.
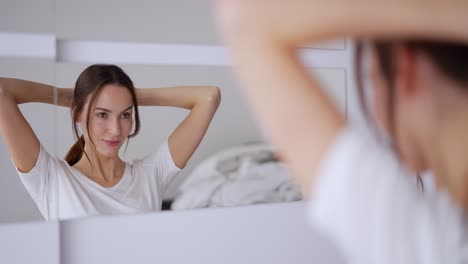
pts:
pixel 92 179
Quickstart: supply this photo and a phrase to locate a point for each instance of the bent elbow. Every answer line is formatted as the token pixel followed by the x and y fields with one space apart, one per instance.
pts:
pixel 215 96
pixel 3 90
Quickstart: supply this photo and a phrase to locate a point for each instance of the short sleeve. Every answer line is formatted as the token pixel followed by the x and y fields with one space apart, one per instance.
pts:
pixel 163 165
pixel 371 207
pixel 37 181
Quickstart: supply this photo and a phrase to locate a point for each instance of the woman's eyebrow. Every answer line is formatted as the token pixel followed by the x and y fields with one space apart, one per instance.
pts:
pixel 109 111
pixel 128 108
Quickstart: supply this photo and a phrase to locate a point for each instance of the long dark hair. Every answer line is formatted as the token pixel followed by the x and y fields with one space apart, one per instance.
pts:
pixel 89 84
pixel 450 58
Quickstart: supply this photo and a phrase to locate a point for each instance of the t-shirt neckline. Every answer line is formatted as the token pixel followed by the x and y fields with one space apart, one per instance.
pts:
pixel 112 188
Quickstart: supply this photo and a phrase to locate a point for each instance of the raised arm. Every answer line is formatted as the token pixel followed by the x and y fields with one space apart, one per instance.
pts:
pixel 306 21
pixel 202 103
pixel 18 135
pixel 290 106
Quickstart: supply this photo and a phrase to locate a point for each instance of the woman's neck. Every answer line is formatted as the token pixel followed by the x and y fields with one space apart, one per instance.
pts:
pixel 105 171
pixel 447 154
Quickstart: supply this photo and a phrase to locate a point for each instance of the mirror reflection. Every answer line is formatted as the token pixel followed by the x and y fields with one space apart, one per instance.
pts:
pixel 77 152
pixel 230 157
pixel 92 179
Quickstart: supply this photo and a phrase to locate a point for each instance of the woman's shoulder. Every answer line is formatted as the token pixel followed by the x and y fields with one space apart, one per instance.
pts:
pixel 359 147
pixel 55 163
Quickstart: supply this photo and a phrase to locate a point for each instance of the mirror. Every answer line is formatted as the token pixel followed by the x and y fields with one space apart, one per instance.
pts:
pixel 158 44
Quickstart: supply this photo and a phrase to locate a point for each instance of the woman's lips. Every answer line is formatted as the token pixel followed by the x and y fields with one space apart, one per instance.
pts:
pixel 112 143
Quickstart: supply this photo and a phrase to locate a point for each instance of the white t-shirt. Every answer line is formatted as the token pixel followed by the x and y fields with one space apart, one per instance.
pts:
pixel 62 192
pixel 370 206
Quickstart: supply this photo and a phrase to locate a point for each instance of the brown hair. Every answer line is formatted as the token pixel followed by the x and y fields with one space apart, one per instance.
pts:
pixel 89 84
pixel 450 58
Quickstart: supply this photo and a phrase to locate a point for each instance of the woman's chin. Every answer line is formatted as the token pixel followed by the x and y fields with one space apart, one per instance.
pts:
pixel 106 153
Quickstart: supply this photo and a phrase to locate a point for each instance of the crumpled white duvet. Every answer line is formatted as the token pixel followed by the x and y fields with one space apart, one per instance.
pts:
pixel 238 176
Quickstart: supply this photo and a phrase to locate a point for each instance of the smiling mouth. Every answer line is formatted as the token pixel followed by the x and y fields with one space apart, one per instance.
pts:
pixel 111 143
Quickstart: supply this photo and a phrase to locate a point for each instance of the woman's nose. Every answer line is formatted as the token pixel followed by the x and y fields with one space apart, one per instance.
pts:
pixel 114 128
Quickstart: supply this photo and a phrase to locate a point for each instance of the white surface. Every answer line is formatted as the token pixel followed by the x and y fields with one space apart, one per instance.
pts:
pixel 45 46
pixel 30 243
pixel 139 53
pixel 78 51
pixel 27 45
pixel 275 233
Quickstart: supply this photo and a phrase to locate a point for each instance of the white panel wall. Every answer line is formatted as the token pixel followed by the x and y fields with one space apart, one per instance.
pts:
pixel 273 234
pixel 30 243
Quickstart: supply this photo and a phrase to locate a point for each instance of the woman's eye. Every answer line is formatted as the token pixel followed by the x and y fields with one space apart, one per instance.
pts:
pixel 102 115
pixel 125 115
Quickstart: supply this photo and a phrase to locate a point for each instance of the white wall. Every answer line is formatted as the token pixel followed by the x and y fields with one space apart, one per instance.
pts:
pixel 30 243
pixel 275 233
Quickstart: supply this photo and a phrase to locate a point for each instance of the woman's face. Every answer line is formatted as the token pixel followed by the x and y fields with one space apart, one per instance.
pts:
pixel 110 120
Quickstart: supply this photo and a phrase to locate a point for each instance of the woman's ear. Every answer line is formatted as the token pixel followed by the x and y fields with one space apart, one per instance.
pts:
pixel 406 72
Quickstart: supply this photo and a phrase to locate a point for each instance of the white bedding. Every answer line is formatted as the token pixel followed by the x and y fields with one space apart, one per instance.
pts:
pixel 238 176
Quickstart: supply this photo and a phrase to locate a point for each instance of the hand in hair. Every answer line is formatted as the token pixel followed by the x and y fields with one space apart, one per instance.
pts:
pixel 202 101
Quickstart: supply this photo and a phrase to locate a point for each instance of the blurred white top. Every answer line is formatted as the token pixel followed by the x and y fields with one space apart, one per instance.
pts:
pixel 62 192
pixel 375 212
